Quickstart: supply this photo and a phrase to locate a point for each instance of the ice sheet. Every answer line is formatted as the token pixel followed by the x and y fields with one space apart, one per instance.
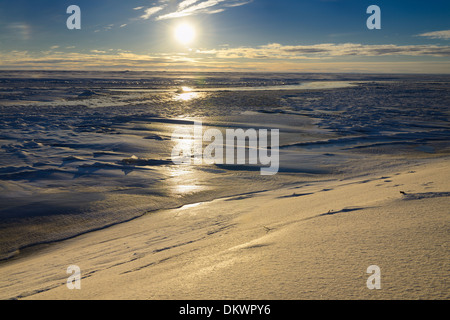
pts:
pixel 81 151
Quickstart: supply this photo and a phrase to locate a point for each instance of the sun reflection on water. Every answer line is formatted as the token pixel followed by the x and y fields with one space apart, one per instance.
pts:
pixel 183 189
pixel 184 180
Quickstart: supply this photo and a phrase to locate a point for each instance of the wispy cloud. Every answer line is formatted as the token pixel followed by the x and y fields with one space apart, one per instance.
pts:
pixel 189 8
pixel 111 59
pixel 20 30
pixel 444 34
pixel 263 58
pixel 150 12
pixel 326 50
pixel 238 4
pixel 186 8
pixel 186 3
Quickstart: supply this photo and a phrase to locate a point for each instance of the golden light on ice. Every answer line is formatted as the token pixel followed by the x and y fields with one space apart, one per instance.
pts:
pixel 184 33
pixel 186 89
pixel 186 94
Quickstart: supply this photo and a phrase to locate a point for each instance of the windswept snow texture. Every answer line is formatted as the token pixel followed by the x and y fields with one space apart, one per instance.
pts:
pixel 81 151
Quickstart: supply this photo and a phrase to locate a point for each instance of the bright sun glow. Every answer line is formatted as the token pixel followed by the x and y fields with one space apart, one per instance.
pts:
pixel 184 33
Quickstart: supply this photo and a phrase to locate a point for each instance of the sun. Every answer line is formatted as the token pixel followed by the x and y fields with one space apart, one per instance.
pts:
pixel 184 33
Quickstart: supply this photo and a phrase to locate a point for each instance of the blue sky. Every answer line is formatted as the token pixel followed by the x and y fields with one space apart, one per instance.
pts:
pixel 230 35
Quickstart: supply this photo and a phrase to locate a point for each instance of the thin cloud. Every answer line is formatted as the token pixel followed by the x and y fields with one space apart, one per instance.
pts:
pixel 118 59
pixel 94 58
pixel 328 50
pixel 444 34
pixel 186 3
pixel 186 8
pixel 150 12
pixel 21 30
pixel 238 4
pixel 202 7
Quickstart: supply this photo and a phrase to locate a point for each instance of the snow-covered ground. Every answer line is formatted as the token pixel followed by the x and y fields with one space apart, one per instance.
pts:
pixel 80 151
